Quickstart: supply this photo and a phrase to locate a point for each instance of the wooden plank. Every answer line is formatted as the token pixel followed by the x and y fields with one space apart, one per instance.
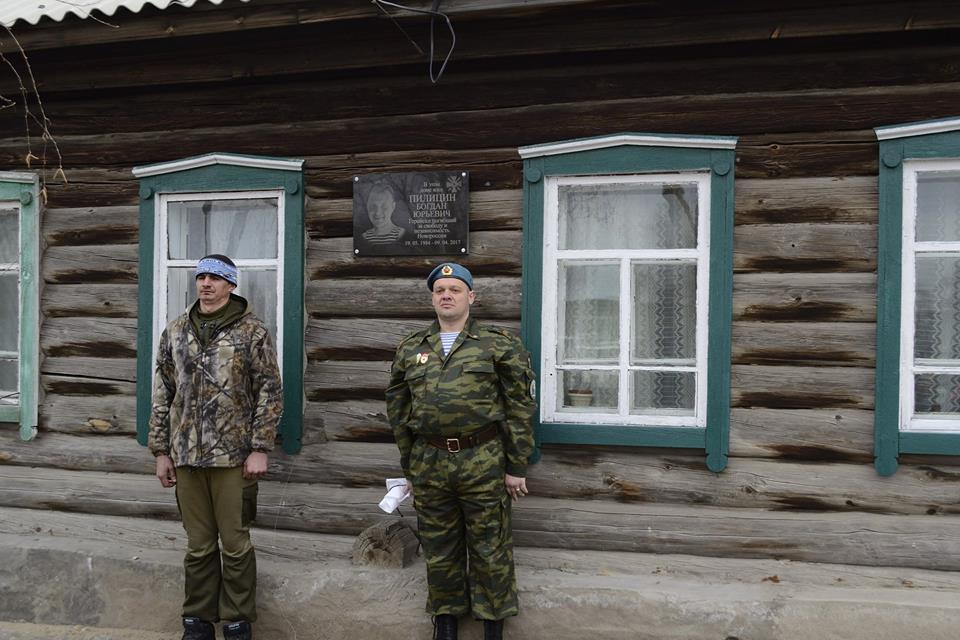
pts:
pixel 88 337
pixel 850 200
pixel 836 435
pixel 805 297
pixel 811 536
pixel 498 209
pixel 99 264
pixel 848 344
pixel 497 298
pixel 492 253
pixel 89 300
pixel 88 414
pixel 805 247
pixel 364 338
pixel 801 387
pixel 91 226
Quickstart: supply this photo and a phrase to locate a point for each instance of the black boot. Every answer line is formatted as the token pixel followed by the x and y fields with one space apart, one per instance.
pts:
pixel 493 630
pixel 445 627
pixel 197 629
pixel 239 630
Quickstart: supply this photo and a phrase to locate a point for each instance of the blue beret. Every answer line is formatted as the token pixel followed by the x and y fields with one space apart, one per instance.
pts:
pixel 450 270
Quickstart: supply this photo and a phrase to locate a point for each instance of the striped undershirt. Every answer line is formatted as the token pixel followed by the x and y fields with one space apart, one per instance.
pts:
pixel 447 339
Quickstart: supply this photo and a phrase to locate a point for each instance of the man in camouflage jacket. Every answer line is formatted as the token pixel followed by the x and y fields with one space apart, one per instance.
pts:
pixel 216 404
pixel 460 401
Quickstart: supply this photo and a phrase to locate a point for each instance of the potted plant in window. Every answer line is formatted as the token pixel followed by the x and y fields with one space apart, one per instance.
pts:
pixel 580 397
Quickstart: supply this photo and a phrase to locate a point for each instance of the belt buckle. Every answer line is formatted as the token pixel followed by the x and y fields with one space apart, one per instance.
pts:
pixel 455 443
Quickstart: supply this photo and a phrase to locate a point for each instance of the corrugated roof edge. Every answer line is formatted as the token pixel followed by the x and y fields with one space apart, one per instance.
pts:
pixel 33 11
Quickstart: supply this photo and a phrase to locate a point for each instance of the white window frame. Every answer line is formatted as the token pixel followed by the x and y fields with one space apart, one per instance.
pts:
pixel 552 255
pixel 162 263
pixel 911 249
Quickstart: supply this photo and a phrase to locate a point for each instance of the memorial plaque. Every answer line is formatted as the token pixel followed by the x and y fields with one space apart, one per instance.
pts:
pixel 411 214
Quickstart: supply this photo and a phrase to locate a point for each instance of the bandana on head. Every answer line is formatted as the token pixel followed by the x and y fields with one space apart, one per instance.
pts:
pixel 217 268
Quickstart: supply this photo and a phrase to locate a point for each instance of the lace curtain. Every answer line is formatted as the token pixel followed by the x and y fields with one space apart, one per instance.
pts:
pixel 9 303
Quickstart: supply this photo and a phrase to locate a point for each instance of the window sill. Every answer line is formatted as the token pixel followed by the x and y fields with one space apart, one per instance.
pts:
pixel 628 435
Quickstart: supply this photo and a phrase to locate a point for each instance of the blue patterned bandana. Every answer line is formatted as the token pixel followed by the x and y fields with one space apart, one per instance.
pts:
pixel 217 268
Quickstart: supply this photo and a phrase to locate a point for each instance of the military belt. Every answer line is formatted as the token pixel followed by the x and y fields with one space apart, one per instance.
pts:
pixel 453 445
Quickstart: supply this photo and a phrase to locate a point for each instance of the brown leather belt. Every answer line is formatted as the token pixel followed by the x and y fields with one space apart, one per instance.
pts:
pixel 453 445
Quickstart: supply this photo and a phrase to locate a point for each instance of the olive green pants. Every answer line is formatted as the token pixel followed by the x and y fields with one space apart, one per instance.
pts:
pixel 220 568
pixel 463 515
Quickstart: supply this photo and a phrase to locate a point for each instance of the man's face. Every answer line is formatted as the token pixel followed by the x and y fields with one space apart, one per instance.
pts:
pixel 213 291
pixel 380 207
pixel 451 299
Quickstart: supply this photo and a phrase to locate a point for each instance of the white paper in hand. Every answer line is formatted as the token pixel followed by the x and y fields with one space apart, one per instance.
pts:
pixel 396 494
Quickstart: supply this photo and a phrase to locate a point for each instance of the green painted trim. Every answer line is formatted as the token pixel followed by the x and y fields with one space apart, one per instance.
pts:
pixel 214 178
pixel 24 189
pixel 632 159
pixel 944 444
pixel 629 435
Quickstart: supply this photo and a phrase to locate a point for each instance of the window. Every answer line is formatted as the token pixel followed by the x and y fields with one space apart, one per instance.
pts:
pixel 248 208
pixel 918 314
pixel 19 300
pixel 627 289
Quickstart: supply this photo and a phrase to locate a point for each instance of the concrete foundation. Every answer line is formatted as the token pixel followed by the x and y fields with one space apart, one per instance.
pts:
pixel 106 578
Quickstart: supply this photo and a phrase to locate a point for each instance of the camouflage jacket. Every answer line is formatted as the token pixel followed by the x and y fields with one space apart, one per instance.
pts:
pixel 485 378
pixel 212 406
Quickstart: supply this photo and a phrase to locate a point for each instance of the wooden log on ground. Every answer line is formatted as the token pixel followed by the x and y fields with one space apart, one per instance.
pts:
pixel 89 300
pixel 848 344
pixel 850 200
pixel 809 536
pixel 97 264
pixel 492 253
pixel 493 210
pixel 390 545
pixel 837 435
pixel 805 247
pixel 91 226
pixel 497 298
pixel 802 387
pixel 805 297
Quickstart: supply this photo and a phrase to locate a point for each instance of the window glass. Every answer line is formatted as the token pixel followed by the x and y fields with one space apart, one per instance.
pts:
pixel 937 307
pixel 628 216
pixel 589 391
pixel 241 228
pixel 938 206
pixel 9 372
pixel 664 312
pixel 937 393
pixel 590 303
pixel 9 311
pixel 664 392
pixel 9 234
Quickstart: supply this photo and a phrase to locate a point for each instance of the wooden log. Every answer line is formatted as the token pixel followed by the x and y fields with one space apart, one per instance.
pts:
pixel 122 369
pixel 91 226
pixel 365 338
pixel 86 337
pixel 492 253
pixel 805 297
pixel 353 420
pixel 809 536
pixel 835 435
pixel 497 298
pixel 805 247
pixel 814 154
pixel 90 300
pixel 84 386
pixel 495 210
pixel 850 200
pixel 88 414
pixel 390 545
pixel 801 387
pixel 850 344
pixel 99 264
pixel 331 379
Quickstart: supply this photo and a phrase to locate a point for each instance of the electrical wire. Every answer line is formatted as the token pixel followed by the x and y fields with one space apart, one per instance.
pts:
pixel 434 13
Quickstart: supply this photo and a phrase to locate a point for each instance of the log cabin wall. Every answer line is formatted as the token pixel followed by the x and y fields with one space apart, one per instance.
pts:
pixel 340 86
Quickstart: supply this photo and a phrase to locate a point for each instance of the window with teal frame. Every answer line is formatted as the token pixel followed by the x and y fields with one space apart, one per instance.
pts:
pixel 19 301
pixel 627 290
pixel 249 208
pixel 917 407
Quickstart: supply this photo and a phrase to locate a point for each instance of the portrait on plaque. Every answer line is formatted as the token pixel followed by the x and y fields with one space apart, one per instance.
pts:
pixel 400 214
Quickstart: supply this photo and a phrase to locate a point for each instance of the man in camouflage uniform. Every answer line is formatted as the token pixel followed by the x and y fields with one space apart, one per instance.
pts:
pixel 460 402
pixel 216 405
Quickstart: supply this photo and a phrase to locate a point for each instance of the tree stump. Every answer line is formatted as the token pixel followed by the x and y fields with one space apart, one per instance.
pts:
pixel 390 544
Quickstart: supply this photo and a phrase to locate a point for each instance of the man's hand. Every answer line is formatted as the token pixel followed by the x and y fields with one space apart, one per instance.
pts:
pixel 165 471
pixel 516 487
pixel 255 465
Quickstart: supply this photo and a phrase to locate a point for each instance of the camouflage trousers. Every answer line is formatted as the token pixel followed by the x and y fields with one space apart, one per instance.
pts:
pixel 463 513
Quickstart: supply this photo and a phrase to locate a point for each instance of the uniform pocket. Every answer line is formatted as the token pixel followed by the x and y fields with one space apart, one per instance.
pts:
pixel 249 511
